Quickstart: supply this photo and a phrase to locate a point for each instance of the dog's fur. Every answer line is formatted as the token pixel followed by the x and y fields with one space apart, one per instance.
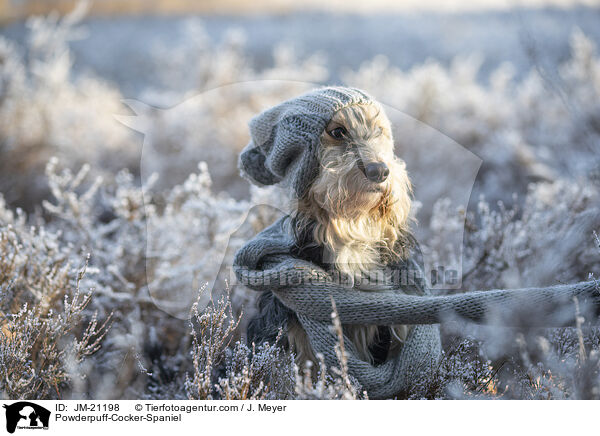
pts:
pixel 349 224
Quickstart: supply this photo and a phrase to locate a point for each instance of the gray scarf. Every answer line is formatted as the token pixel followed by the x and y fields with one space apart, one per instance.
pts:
pixel 266 264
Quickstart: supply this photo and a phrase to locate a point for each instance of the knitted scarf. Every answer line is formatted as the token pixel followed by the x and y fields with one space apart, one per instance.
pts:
pixel 265 264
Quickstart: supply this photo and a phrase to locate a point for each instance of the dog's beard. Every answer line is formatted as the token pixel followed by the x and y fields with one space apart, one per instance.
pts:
pixel 362 225
pixel 343 190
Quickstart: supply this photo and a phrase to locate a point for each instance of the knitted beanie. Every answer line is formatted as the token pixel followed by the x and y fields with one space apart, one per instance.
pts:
pixel 285 138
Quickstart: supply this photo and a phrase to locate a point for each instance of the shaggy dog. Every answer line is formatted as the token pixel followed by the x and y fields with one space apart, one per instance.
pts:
pixel 353 220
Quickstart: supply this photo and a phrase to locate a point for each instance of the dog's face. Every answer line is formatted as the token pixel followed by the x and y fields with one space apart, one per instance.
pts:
pixel 359 172
pixel 358 206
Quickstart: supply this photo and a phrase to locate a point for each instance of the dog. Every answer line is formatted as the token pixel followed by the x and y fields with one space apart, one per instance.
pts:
pixel 353 220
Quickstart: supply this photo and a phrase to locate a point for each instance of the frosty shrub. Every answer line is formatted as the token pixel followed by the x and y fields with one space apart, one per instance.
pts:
pixel 155 227
pixel 227 370
pixel 45 112
pixel 47 333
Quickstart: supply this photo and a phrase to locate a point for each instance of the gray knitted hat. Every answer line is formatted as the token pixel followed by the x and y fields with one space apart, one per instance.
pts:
pixel 285 138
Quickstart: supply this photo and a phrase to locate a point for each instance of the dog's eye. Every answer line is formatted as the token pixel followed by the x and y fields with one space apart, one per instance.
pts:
pixel 338 133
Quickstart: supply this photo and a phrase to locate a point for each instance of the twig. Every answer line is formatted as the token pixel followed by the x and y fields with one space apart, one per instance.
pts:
pixel 578 323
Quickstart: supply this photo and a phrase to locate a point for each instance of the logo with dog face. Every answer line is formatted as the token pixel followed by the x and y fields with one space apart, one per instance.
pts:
pixel 26 415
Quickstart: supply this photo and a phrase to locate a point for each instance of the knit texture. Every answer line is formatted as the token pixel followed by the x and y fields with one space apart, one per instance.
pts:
pixel 265 264
pixel 285 139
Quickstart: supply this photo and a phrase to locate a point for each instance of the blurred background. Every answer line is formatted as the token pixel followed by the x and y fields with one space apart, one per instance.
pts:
pixel 125 39
pixel 457 66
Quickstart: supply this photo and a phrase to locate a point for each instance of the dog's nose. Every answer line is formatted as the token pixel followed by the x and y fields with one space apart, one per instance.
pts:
pixel 377 172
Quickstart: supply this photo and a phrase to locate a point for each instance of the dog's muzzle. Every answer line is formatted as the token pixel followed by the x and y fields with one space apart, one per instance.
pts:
pixel 376 172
